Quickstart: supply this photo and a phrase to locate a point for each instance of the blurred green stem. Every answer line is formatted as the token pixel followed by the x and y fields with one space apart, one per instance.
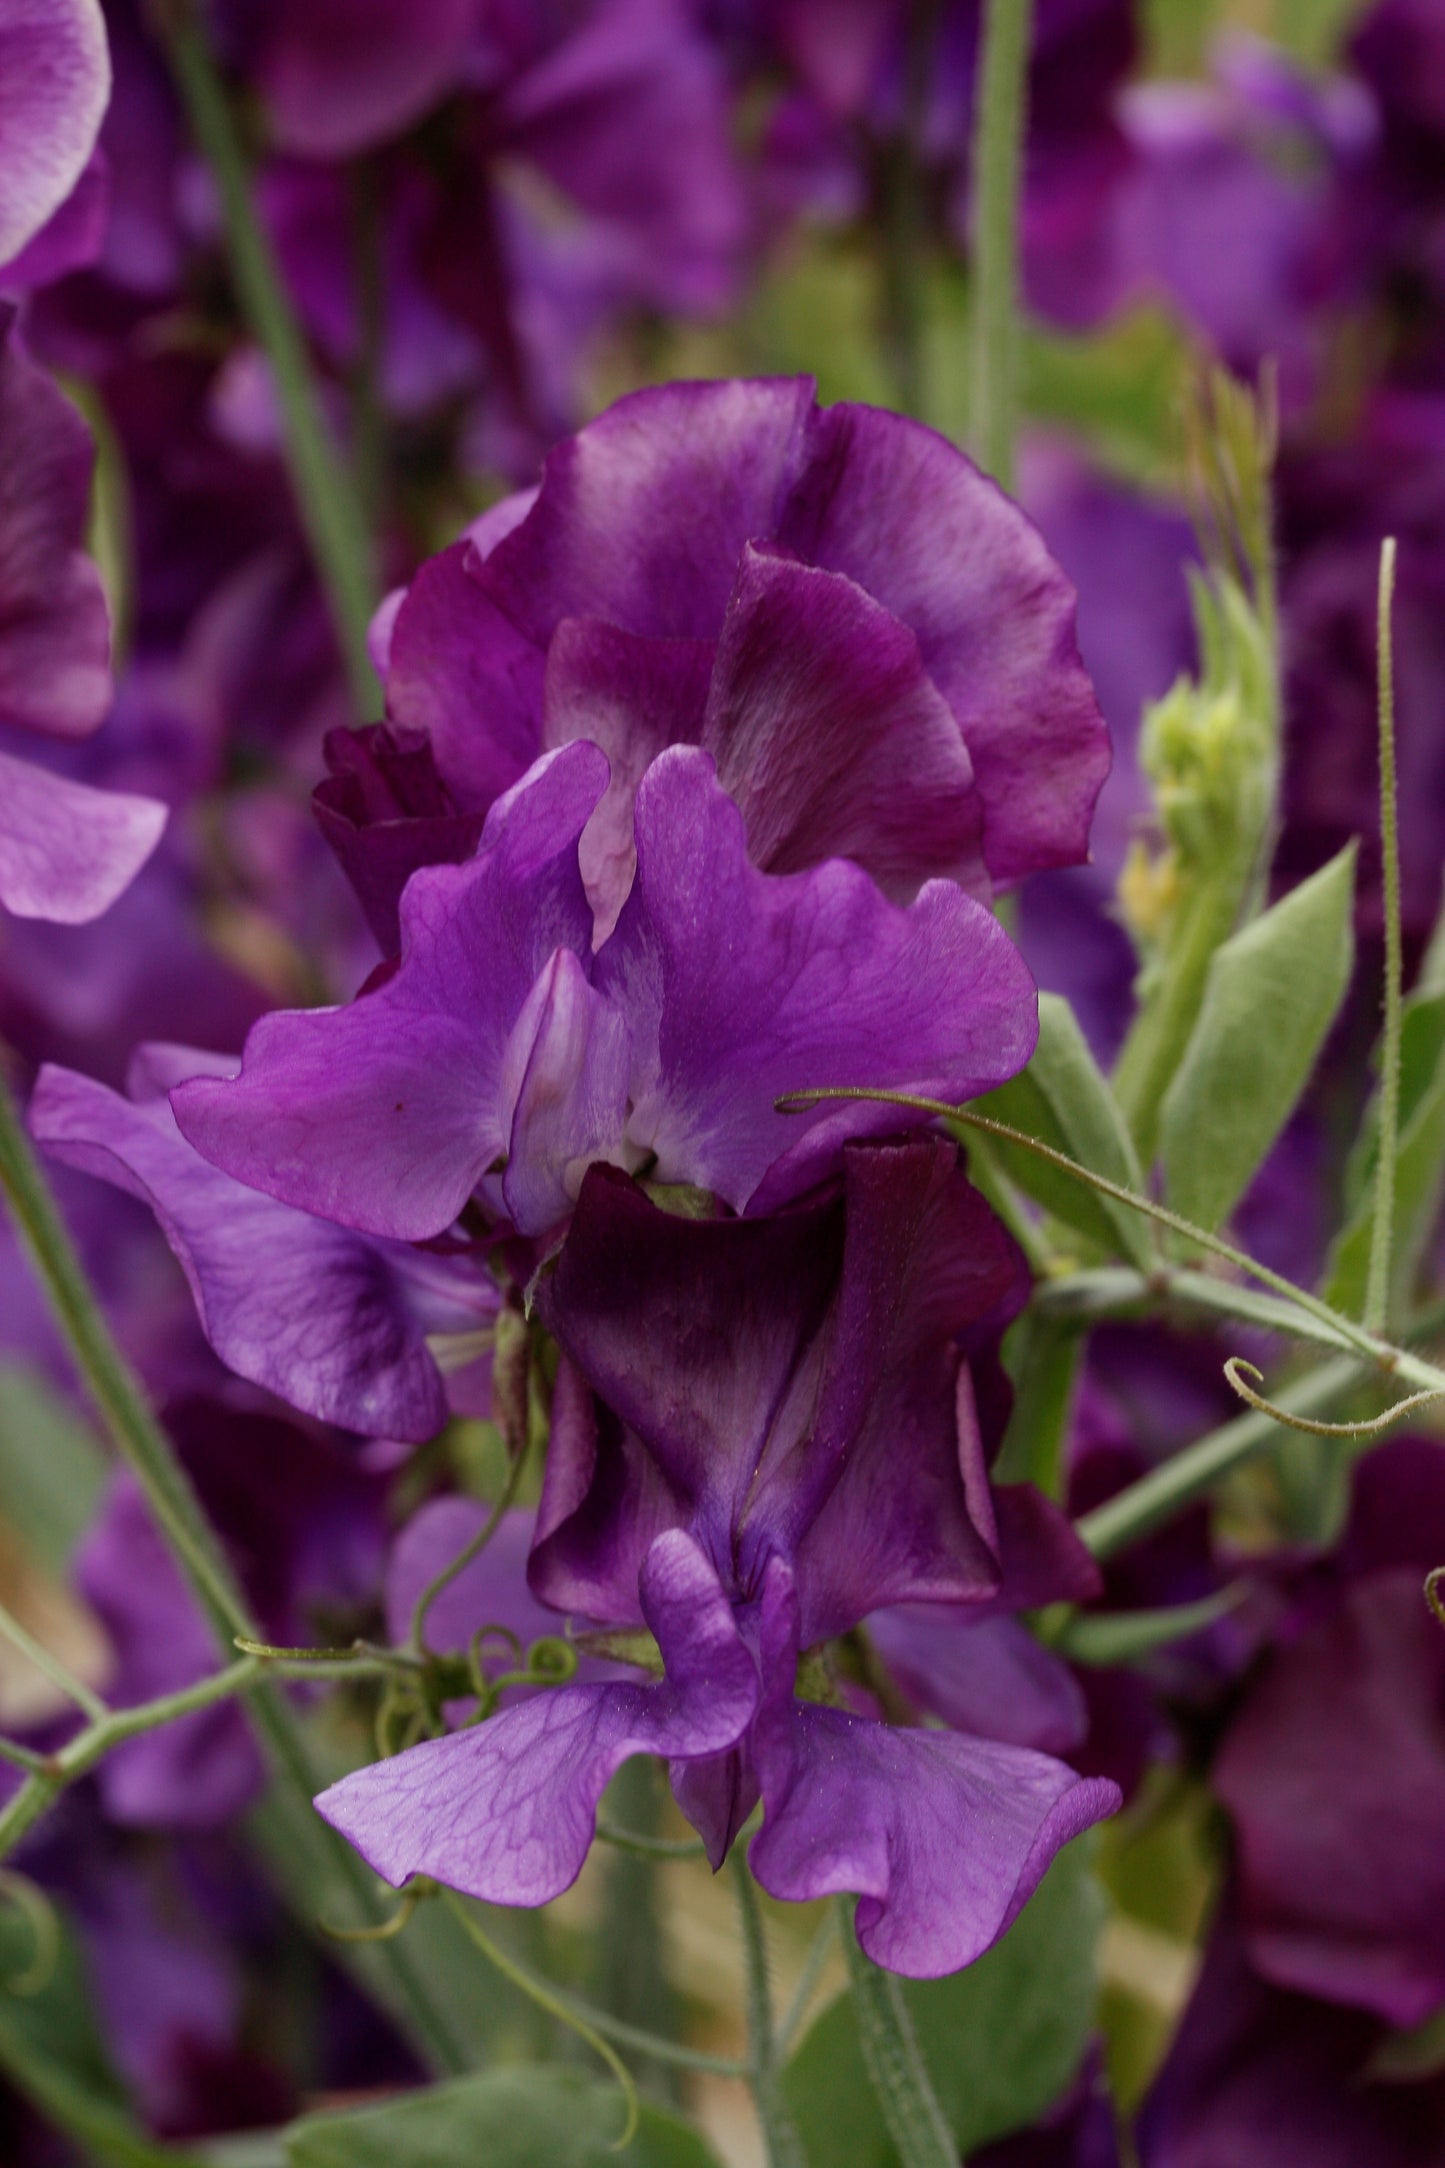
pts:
pixel 1377 1295
pixel 326 500
pixel 903 228
pixel 999 125
pixel 780 2135
pixel 144 1447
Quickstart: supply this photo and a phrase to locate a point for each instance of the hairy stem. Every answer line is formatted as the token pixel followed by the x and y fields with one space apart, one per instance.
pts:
pixel 780 2135
pixel 997 168
pixel 326 500
pixel 916 2123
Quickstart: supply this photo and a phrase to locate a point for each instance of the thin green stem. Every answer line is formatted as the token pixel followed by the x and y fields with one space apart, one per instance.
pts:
pixel 633 1840
pixel 1109 1292
pixel 564 2008
pixel 780 2135
pixel 997 166
pixel 916 2123
pixel 1377 1351
pixel 59 1675
pixel 903 234
pixel 416 1639
pixel 1377 1286
pixel 819 1951
pixel 120 1399
pixel 1191 1474
pixel 326 500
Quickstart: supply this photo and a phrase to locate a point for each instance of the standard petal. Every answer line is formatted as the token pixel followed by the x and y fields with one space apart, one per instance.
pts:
pixel 739 988
pixel 831 737
pixel 507 1811
pixel 642 516
pixel 943 1837
pixel 54 83
pixel 331 1321
pixel 901 511
pixel 67 851
pixel 385 1115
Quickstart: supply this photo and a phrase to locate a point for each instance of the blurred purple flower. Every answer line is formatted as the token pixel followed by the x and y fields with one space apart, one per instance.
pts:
pixel 783 1441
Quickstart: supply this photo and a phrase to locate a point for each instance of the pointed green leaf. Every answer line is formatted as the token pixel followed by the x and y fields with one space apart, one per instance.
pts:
pixel 532 2117
pixel 1272 993
pixel 1001 2040
pixel 1063 1099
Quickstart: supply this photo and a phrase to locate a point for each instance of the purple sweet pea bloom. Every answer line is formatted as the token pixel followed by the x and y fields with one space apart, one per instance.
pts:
pixel 1342 1733
pixel 783 1441
pixel 54 82
pixel 866 635
pixel 502 1053
pixel 66 850
pixel 342 1326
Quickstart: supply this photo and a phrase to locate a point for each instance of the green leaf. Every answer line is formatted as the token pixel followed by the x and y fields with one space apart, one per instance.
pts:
pixel 1419 1165
pixel 532 2117
pixel 51 2053
pixel 1064 1101
pixel 1001 2040
pixel 1272 993
pixel 1042 1355
pixel 51 1469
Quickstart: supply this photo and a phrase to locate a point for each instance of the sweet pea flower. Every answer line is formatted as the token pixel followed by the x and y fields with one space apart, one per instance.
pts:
pixel 782 1439
pixel 502 1056
pixel 66 850
pixel 346 1328
pixel 868 637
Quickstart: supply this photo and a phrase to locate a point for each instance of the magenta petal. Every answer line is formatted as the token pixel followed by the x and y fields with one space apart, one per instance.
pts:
pixel 458 669
pixel 901 511
pixel 831 737
pixel 571 1100
pixel 331 1321
pixel 507 1811
pixel 943 1837
pixel 67 851
pixel 54 83
pixel 740 988
pixel 386 1114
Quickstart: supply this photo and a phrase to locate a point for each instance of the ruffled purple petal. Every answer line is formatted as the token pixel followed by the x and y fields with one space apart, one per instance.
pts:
pixel 54 84
pixel 386 811
pixel 831 737
pixel 507 1811
pixel 67 851
pixel 984 1675
pixel 386 1114
pixel 901 511
pixel 333 1322
pixel 739 988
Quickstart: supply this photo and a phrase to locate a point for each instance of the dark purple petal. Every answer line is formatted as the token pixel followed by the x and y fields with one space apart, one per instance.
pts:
pixel 832 738
pixel 507 1811
pixel 333 1322
pixel 54 83
pixel 984 1675
pixel 341 76
pixel 1334 1773
pixel 901 511
pixel 739 988
pixel 67 851
pixel 385 1115
pixel 386 811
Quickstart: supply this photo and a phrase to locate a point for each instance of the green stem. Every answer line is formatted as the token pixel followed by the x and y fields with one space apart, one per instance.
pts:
pixel 1191 1474
pixel 903 235
pixel 111 1728
pixel 808 1978
pixel 325 498
pixel 1377 1286
pixel 74 1689
pixel 916 2123
pixel 998 147
pixel 780 2136
pixel 143 1446
pixel 1111 1292
pixel 416 1638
